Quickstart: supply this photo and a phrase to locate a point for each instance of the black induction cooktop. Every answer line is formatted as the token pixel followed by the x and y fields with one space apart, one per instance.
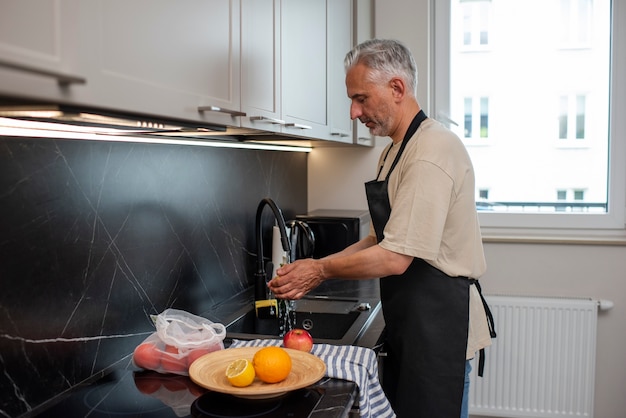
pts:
pixel 144 394
pixel 299 403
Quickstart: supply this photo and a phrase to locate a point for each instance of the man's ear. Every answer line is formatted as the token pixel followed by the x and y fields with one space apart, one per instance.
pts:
pixel 398 87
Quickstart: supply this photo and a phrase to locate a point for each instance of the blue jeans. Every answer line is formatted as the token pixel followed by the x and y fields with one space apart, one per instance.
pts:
pixel 464 404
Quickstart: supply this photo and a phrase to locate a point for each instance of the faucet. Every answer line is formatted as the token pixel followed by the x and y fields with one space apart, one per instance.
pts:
pixel 261 276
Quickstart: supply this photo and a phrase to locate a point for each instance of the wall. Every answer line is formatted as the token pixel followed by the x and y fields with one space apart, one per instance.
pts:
pixel 95 237
pixel 336 178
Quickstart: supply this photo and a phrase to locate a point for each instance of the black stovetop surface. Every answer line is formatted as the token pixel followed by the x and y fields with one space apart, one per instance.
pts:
pixel 129 392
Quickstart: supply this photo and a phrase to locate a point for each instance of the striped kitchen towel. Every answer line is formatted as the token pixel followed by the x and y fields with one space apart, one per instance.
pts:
pixel 356 364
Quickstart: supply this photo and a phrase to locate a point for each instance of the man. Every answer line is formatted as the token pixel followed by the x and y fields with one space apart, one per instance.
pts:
pixel 425 245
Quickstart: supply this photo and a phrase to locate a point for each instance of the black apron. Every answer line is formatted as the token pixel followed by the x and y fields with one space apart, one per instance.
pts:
pixel 426 323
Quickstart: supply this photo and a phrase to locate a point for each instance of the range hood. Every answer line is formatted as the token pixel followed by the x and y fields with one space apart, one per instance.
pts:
pixel 66 121
pixel 97 120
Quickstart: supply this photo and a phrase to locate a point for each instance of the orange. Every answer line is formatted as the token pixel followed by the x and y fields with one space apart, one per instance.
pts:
pixel 272 364
pixel 240 373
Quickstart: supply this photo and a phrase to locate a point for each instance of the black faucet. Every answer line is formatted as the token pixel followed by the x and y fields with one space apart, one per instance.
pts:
pixel 261 276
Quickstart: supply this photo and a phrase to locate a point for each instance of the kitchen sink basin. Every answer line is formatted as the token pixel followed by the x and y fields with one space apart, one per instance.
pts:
pixel 329 320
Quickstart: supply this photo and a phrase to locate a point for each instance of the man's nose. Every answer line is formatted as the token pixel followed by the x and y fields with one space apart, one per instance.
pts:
pixel 355 111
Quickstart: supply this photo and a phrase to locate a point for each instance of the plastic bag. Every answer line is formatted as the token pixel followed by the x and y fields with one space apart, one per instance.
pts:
pixel 180 338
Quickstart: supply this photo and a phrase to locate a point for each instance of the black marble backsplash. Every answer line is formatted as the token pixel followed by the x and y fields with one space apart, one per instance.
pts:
pixel 96 236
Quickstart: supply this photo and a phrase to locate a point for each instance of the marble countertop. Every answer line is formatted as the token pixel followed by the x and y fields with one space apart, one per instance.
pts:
pixel 123 385
pixel 127 391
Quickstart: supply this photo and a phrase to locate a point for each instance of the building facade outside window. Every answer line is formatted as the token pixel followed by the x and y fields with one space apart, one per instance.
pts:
pixel 531 89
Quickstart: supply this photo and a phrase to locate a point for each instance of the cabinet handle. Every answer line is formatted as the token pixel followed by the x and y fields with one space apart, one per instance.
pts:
pixel 298 126
pixel 270 120
pixel 340 134
pixel 220 110
pixel 62 79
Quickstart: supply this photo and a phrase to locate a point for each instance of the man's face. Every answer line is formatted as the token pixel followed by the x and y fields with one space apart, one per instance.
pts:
pixel 370 102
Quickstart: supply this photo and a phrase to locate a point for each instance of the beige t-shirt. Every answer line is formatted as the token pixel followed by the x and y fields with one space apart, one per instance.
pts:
pixel 433 213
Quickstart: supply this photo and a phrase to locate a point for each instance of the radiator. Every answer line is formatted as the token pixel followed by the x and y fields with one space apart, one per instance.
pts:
pixel 542 363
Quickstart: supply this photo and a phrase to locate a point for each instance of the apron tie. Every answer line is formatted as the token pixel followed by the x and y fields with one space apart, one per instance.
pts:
pixel 490 323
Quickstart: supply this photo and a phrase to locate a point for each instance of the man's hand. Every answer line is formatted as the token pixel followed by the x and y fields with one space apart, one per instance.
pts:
pixel 295 280
pixel 361 260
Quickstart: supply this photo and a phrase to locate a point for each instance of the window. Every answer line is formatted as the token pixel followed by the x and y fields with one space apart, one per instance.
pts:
pixel 572 117
pixel 484 117
pixel 577 205
pixel 468 117
pixel 580 117
pixel 575 23
pixel 579 195
pixel 475 23
pixel 476 117
pixel 548 101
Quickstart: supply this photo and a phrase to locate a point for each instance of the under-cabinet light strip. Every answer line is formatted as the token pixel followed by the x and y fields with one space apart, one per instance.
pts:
pixel 6 130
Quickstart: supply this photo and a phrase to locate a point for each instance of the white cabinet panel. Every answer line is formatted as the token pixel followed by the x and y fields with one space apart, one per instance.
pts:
pixel 161 58
pixel 260 64
pixel 304 67
pixel 339 43
pixel 40 49
pixel 364 30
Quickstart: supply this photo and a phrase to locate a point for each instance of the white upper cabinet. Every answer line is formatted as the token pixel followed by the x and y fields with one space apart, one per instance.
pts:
pixel 175 60
pixel 260 65
pixel 316 35
pixel 40 49
pixel 339 43
pixel 292 67
pixel 304 67
pixel 271 65
pixel 363 19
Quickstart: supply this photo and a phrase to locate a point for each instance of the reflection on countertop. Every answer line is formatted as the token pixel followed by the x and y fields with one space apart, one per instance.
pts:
pixel 129 392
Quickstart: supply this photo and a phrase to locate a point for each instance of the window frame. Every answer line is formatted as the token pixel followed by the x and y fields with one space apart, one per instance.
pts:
pixel 586 226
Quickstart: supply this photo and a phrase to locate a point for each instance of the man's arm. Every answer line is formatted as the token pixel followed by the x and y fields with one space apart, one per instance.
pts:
pixel 361 260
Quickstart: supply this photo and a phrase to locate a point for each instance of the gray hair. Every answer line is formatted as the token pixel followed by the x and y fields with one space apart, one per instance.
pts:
pixel 388 58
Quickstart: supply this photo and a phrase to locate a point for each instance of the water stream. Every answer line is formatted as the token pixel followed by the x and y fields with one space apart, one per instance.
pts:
pixel 286 316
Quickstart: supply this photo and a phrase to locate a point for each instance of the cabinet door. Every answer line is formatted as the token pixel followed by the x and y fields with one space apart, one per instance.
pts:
pixel 304 64
pixel 164 58
pixel 260 64
pixel 340 42
pixel 39 49
pixel 364 30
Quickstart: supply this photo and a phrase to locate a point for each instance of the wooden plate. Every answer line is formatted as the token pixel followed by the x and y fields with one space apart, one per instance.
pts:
pixel 209 371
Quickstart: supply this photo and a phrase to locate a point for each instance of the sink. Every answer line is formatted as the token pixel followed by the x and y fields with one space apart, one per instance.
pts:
pixel 339 321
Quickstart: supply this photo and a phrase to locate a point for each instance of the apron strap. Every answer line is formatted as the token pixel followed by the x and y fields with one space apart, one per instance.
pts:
pixel 490 323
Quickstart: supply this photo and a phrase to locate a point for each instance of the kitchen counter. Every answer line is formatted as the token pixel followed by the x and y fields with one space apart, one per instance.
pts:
pixel 127 391
pixel 124 390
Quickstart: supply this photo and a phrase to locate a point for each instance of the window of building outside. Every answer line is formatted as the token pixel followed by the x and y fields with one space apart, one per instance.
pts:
pixel 528 86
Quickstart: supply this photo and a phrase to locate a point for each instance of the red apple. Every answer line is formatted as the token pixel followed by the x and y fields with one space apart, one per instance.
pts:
pixel 147 383
pixel 298 339
pixel 147 356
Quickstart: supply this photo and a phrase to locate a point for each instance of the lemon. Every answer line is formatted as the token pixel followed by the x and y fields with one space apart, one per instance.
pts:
pixel 240 373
